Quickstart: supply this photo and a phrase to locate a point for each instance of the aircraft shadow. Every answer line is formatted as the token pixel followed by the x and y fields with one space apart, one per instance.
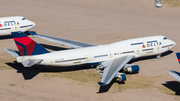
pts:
pixel 6 37
pixel 150 57
pixel 174 86
pixel 29 73
pixel 27 32
pixel 104 89
pixel 10 36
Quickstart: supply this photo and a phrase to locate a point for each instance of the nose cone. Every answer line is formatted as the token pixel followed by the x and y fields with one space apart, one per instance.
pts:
pixel 34 24
pixel 173 44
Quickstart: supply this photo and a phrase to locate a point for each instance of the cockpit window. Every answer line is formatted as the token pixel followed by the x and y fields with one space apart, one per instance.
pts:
pixel 23 18
pixel 165 38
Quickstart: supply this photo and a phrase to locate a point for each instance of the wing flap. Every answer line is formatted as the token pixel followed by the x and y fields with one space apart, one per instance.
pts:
pixel 61 41
pixel 30 63
pixel 114 66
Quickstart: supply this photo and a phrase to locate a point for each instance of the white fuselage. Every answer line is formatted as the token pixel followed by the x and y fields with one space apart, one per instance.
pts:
pixel 14 23
pixel 139 47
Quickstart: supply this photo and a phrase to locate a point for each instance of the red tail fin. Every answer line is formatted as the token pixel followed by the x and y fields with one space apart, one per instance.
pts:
pixel 26 45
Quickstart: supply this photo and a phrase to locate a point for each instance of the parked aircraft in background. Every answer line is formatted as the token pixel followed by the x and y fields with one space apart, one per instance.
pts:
pixel 14 23
pixel 174 73
pixel 158 3
pixel 111 58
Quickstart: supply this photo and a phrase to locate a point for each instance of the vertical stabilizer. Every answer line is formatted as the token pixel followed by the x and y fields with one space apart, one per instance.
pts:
pixel 26 45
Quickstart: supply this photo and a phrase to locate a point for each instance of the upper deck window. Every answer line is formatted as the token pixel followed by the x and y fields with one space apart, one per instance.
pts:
pixel 23 18
pixel 164 38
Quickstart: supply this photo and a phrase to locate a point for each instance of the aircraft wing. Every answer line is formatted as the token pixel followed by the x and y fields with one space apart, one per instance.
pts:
pixel 174 74
pixel 113 67
pixel 61 41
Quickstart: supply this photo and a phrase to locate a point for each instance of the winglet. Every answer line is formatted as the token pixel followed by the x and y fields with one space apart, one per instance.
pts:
pixel 178 56
pixel 26 45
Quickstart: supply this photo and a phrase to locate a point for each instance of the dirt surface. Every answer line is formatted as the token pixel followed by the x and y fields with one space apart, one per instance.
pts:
pixel 96 22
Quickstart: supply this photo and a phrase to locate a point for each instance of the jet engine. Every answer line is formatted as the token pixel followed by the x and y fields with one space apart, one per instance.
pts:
pixel 131 68
pixel 120 77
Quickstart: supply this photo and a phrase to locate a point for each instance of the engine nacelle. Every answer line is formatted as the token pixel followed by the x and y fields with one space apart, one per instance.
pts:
pixel 121 77
pixel 132 69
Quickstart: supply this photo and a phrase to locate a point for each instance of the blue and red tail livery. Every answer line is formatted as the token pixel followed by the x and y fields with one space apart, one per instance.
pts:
pixel 26 45
pixel 178 56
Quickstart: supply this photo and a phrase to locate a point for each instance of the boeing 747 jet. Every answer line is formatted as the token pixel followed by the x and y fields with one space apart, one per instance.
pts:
pixel 14 23
pixel 111 58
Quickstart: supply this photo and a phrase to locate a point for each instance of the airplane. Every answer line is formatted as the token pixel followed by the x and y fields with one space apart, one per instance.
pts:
pixel 158 3
pixel 14 23
pixel 174 73
pixel 110 59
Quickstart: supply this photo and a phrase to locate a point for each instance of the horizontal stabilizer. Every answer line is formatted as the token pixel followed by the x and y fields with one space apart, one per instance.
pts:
pixel 30 63
pixel 13 53
pixel 174 74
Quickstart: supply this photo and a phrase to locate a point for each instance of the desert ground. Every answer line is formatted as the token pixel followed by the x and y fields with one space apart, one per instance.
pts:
pixel 97 22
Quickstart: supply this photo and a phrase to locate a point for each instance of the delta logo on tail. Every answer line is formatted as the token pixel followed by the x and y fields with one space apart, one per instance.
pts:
pixel 26 45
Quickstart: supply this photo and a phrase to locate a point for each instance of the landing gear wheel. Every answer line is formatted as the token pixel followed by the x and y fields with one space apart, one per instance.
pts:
pixel 158 56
